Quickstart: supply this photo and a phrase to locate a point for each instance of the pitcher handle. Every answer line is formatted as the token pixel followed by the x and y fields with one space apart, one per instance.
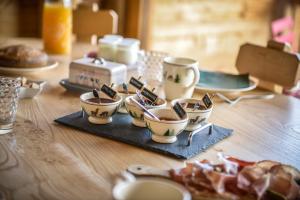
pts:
pixel 195 69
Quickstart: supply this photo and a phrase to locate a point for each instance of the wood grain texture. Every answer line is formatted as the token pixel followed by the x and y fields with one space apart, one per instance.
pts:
pixel 270 63
pixel 87 23
pixel 44 160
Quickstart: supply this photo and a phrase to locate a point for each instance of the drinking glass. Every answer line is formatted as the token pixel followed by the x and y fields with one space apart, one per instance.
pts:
pixel 150 66
pixel 9 97
pixel 57 26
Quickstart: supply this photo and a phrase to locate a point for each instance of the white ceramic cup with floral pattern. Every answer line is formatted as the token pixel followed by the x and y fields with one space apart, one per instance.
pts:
pixel 180 75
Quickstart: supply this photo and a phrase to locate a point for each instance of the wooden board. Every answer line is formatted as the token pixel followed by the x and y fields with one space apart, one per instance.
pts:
pixel 270 64
pixel 87 23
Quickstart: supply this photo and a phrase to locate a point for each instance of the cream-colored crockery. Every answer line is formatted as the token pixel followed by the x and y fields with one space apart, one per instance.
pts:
pixel 150 189
pixel 165 131
pixel 137 113
pixel 196 116
pixel 99 113
pixel 180 75
pixel 124 95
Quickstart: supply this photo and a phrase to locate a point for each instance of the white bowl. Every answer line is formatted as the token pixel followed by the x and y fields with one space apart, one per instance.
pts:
pixel 26 92
pixel 132 92
pixel 137 113
pixel 150 189
pixel 165 131
pixel 99 113
pixel 196 117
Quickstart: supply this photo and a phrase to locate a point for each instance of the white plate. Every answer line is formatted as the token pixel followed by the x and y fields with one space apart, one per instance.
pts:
pixel 50 65
pixel 252 85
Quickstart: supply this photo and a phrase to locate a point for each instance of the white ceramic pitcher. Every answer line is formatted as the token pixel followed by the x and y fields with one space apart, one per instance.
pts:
pixel 180 75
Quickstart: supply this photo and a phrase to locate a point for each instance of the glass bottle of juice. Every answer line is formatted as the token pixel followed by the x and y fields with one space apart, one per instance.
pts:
pixel 57 26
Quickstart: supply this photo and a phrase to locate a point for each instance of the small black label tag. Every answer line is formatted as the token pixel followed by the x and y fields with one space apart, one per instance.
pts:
pixel 179 110
pixel 149 95
pixel 207 101
pixel 136 83
pixel 108 91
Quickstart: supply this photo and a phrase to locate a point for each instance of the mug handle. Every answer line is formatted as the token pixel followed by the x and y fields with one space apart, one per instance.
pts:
pixel 195 69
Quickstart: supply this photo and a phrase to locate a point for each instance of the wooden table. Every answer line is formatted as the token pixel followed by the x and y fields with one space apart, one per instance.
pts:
pixel 44 160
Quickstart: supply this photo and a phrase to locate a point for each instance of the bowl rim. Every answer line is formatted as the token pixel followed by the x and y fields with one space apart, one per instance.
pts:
pixel 146 115
pixel 194 99
pixel 181 189
pixel 180 61
pixel 100 104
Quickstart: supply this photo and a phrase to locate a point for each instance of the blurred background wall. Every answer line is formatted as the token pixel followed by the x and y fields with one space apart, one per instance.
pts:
pixel 205 29
pixel 200 29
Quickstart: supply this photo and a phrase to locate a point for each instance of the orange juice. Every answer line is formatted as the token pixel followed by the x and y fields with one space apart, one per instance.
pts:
pixel 57 28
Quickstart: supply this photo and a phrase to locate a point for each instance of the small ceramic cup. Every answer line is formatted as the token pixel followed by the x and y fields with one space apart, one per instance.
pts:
pixel 180 75
pixel 196 116
pixel 124 95
pixel 167 129
pixel 149 189
pixel 137 113
pixel 99 113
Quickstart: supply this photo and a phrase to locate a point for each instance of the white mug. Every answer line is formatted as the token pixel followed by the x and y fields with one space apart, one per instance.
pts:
pixel 180 75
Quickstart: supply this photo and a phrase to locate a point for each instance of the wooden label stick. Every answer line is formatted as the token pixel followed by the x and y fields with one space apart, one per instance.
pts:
pixel 108 91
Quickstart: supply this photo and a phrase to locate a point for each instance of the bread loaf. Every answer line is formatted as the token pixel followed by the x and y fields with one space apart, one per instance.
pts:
pixel 22 56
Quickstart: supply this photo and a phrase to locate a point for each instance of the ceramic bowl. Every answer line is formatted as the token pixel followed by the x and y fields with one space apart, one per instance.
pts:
pixel 165 131
pixel 196 117
pixel 150 189
pixel 131 91
pixel 137 114
pixel 99 113
pixel 27 92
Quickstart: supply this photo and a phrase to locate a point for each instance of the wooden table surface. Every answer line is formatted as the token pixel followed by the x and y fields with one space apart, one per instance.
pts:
pixel 43 160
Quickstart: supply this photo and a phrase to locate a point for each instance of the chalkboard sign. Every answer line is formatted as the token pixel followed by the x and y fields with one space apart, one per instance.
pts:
pixel 207 101
pixel 108 91
pixel 149 95
pixel 179 110
pixel 136 83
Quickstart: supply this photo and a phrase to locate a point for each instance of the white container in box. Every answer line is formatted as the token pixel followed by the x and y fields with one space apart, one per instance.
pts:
pixel 113 36
pixel 93 73
pixel 108 46
pixel 127 51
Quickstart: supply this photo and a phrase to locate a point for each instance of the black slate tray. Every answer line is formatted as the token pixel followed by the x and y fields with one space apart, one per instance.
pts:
pixel 122 130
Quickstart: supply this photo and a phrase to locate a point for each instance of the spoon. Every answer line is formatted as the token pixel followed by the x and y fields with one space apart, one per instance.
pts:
pixel 236 100
pixel 138 94
pixel 143 108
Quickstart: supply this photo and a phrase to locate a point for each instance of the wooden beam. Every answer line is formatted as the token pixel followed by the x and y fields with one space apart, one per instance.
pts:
pixel 138 20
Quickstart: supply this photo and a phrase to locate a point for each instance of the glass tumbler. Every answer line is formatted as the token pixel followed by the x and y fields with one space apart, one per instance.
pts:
pixel 150 66
pixel 9 97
